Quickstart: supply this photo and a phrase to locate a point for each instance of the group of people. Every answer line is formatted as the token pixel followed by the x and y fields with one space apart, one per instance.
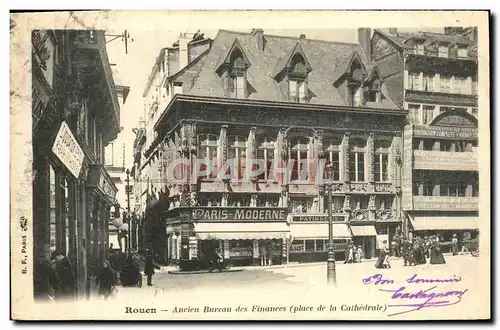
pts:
pixel 353 253
pixel 421 249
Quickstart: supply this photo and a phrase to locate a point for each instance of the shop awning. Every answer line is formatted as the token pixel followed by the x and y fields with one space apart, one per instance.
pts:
pixel 444 223
pixel 363 230
pixel 235 230
pixel 319 231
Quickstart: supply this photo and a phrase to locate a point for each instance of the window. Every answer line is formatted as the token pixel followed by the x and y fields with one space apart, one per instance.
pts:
pixel 309 245
pixel 428 84
pixel 298 155
pixel 381 162
pixel 357 161
pixel 320 245
pixel 414 82
pixel 359 202
pixel 110 153
pixel 239 200
pixel 301 204
pixel 445 84
pixel 443 51
pixel 420 48
pixel 337 204
pixel 453 188
pixel 298 91
pixel 240 87
pixel 177 88
pixel 268 200
pixel 414 112
pixel 460 85
pixel 356 96
pixel 474 85
pixel 52 205
pixel 383 202
pixel 428 114
pixel 374 94
pixel 333 156
pixel 207 155
pixel 265 154
pixel 207 199
pixel 462 52
pixel 428 186
pixel 236 155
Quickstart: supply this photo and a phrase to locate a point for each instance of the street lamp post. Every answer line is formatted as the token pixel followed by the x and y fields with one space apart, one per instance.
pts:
pixel 127 191
pixel 331 272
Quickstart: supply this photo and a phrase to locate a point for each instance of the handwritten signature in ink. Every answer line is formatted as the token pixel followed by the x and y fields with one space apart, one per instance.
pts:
pixel 419 298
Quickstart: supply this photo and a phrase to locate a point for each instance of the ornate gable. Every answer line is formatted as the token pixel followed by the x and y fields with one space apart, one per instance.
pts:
pixel 459 118
pixel 235 59
pixel 353 68
pixel 294 61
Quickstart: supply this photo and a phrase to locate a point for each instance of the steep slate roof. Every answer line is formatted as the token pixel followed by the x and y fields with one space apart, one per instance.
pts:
pixel 323 56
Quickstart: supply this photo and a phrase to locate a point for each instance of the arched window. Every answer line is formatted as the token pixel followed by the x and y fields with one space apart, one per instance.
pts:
pixel 236 78
pixel 236 155
pixel 265 154
pixel 298 154
pixel 207 154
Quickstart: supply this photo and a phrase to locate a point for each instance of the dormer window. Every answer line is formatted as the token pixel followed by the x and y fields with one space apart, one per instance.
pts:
pixel 233 70
pixel 298 91
pixel 374 94
pixel 443 51
pixel 420 48
pixel 237 75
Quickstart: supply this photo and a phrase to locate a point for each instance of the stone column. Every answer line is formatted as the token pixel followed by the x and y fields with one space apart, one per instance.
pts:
pixel 372 207
pixel 370 157
pixel 279 152
pixel 345 157
pixel 321 198
pixel 224 200
pixel 222 147
pixel 251 154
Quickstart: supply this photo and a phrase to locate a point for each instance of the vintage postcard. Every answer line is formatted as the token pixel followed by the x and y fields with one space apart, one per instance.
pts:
pixel 250 165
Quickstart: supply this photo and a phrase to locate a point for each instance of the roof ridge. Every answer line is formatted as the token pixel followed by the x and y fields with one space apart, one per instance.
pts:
pixel 294 38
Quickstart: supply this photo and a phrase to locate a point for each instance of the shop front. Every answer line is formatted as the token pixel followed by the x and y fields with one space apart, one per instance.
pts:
pixel 101 192
pixel 365 236
pixel 309 240
pixel 57 203
pixel 465 226
pixel 244 236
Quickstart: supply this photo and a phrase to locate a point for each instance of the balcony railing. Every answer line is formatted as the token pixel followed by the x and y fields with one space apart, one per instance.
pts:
pixel 445 203
pixel 443 160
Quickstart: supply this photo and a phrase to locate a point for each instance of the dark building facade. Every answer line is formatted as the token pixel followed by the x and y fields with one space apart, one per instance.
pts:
pixel 278 101
pixel 75 114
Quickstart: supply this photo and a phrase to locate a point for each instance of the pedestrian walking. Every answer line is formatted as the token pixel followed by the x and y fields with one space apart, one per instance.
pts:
pixel 383 257
pixel 149 268
pixel 217 261
pixel 454 245
pixel 435 252
pixel 61 278
pixel 349 254
pixel 105 280
pixel 359 254
pixel 407 252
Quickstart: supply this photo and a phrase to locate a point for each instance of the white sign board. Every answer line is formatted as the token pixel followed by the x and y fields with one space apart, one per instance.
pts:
pixel 44 48
pixel 67 149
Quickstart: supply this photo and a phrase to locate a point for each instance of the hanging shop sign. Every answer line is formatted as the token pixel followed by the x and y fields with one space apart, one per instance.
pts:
pixel 67 149
pixel 99 179
pixel 240 214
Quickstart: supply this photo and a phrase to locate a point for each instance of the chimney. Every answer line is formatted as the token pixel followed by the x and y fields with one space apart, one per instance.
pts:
pixel 259 38
pixel 364 39
pixel 393 31
pixel 183 51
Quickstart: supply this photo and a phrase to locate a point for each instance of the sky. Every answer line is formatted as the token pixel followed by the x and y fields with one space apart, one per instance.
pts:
pixel 135 66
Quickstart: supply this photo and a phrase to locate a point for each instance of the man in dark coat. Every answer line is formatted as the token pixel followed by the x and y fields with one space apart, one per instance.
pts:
pixel 105 279
pixel 149 268
pixel 61 278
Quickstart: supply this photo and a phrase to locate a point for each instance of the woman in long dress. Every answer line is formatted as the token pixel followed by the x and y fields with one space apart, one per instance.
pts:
pixel 435 252
pixel 383 261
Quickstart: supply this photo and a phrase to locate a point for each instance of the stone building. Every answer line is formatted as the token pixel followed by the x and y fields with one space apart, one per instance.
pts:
pixel 437 75
pixel 75 113
pixel 278 101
